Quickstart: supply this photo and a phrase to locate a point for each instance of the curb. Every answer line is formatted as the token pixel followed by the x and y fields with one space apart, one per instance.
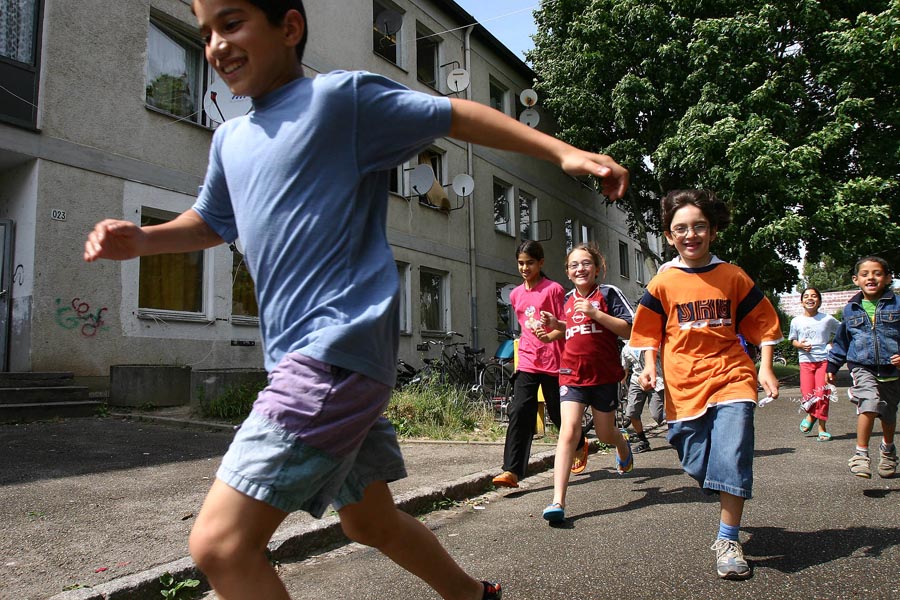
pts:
pixel 299 542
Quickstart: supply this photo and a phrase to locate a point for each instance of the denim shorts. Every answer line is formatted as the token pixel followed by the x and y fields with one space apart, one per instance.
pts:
pixel 604 397
pixel 716 448
pixel 316 436
pixel 873 396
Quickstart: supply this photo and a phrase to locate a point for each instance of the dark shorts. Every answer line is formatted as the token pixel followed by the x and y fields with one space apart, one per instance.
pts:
pixel 604 398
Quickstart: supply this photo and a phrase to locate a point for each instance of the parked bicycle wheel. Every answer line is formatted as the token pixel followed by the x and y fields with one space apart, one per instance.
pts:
pixel 496 382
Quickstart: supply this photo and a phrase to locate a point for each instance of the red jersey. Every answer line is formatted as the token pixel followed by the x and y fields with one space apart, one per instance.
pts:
pixel 591 355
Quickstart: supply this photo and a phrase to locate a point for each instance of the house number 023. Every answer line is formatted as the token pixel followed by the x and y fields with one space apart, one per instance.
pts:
pixel 58 215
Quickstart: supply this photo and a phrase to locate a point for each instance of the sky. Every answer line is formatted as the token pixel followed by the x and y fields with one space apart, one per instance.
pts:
pixel 510 21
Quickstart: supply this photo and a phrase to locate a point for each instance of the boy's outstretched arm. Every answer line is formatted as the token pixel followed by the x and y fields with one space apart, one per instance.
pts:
pixel 766 376
pixel 482 125
pixel 121 240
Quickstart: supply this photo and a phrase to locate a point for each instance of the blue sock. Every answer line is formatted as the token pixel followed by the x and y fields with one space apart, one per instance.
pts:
pixel 729 532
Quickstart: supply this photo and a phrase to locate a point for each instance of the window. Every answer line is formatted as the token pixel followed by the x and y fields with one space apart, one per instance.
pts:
pixel 506 316
pixel 432 300
pixel 176 73
pixel 394 181
pixel 427 56
pixel 18 19
pixel 436 197
pixel 569 227
pixel 527 209
pixel 502 196
pixel 403 274
pixel 639 266
pixel 587 233
pixel 623 260
pixel 386 28
pixel 499 96
pixel 243 292
pixel 172 282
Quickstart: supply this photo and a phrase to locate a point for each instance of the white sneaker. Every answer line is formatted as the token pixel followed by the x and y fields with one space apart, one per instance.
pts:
pixel 730 562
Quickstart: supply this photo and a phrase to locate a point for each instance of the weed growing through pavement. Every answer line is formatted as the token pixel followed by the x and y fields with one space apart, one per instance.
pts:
pixel 233 405
pixel 174 589
pixel 440 412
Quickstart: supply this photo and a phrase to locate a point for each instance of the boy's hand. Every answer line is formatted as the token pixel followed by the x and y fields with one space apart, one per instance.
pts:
pixel 113 240
pixel 614 177
pixel 647 378
pixel 584 305
pixel 895 360
pixel 768 381
pixel 549 320
pixel 829 377
pixel 541 334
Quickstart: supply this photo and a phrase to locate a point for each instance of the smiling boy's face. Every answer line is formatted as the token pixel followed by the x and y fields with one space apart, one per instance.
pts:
pixel 251 55
pixel 872 280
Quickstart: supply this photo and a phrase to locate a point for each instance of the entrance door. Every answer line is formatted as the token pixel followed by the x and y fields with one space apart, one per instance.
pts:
pixel 6 282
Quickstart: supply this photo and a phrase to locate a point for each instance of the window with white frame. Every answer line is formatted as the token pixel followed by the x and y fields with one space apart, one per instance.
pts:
pixel 176 74
pixel 403 274
pixel 639 273
pixel 527 211
pixel 386 31
pixel 244 309
pixel 427 56
pixel 498 96
pixel 506 316
pixel 436 197
pixel 587 233
pixel 502 199
pixel 433 300
pixel 623 260
pixel 170 282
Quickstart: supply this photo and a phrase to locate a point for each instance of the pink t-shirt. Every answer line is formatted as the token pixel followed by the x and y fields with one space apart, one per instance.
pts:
pixel 536 356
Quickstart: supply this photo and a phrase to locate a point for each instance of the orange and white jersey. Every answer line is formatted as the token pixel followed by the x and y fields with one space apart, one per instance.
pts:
pixel 695 315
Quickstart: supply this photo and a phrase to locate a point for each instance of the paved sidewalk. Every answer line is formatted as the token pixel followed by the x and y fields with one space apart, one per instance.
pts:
pixel 109 502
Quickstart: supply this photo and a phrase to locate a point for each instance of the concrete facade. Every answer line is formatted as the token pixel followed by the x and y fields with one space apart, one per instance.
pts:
pixel 96 150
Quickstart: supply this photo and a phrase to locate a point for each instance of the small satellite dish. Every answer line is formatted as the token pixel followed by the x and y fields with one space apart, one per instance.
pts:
pixel 421 179
pixel 505 291
pixel 458 80
pixel 528 97
pixel 388 22
pixel 463 185
pixel 238 246
pixel 530 117
pixel 221 105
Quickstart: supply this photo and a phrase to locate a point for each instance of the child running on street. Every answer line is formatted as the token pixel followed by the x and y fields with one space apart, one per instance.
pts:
pixel 867 340
pixel 636 396
pixel 811 333
pixel 589 374
pixel 303 181
pixel 538 364
pixel 693 309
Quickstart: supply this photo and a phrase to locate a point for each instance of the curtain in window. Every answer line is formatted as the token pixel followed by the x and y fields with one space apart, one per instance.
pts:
pixel 243 294
pixel 17 29
pixel 430 301
pixel 172 74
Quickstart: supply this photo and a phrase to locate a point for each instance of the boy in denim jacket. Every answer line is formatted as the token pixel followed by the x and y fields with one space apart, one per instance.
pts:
pixel 867 340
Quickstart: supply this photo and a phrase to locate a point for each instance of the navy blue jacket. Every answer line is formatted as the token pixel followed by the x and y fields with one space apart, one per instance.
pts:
pixel 861 343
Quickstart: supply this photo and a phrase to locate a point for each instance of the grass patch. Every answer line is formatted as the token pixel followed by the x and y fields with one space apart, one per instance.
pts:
pixel 232 406
pixel 789 370
pixel 441 412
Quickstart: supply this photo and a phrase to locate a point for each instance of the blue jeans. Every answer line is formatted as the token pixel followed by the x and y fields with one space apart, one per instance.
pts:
pixel 716 448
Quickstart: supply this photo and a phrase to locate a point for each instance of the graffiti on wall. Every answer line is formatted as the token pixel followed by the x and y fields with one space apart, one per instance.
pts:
pixel 19 275
pixel 78 314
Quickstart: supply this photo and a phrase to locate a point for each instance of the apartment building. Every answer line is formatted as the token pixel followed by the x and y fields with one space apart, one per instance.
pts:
pixel 103 114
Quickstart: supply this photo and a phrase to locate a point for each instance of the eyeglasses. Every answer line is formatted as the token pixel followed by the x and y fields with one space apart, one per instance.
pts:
pixel 587 264
pixel 681 231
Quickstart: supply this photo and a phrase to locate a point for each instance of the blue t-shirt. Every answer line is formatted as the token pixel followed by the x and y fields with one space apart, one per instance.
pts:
pixel 303 181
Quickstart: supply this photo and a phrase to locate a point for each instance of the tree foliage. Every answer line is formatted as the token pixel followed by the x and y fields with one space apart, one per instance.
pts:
pixel 788 111
pixel 826 276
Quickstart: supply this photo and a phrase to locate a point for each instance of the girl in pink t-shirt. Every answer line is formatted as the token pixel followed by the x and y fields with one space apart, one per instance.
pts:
pixel 538 364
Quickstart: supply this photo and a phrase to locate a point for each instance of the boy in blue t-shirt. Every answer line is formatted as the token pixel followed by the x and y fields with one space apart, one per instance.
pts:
pixel 302 180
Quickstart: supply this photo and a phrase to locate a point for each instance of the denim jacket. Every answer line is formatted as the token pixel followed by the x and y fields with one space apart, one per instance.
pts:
pixel 861 343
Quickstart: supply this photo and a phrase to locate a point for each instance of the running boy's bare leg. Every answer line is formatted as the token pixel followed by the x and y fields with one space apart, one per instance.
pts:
pixel 228 543
pixel 375 521
pixel 732 508
pixel 569 435
pixel 865 422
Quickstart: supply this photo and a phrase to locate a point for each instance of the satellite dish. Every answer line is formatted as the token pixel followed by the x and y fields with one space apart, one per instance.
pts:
pixel 463 185
pixel 505 291
pixel 528 98
pixel 221 105
pixel 530 117
pixel 458 80
pixel 421 179
pixel 388 22
pixel 238 246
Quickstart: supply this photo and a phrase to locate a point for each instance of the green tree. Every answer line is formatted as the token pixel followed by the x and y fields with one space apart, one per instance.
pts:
pixel 826 275
pixel 789 111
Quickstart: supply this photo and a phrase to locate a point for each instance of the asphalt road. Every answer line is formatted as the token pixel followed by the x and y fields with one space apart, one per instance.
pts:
pixel 811 531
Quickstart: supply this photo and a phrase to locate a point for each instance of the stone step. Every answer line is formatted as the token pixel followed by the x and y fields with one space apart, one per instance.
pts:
pixel 44 395
pixel 41 411
pixel 47 379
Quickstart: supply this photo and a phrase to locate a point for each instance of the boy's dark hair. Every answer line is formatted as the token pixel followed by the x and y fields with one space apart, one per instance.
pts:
pixel 275 11
pixel 532 249
pixel 714 209
pixel 808 288
pixel 875 259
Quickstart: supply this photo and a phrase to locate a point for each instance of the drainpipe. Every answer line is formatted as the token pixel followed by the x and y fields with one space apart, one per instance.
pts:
pixel 473 279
